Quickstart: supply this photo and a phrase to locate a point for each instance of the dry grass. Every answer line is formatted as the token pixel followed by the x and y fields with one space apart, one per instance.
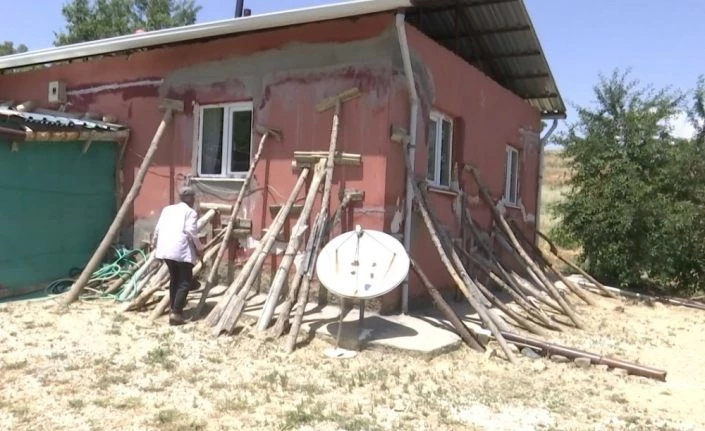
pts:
pixel 93 369
pixel 555 180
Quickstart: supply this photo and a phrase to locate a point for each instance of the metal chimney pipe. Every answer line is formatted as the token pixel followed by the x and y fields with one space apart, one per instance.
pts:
pixel 239 5
pixel 247 12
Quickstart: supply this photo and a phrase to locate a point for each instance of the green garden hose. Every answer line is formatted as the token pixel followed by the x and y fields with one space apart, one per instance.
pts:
pixel 109 271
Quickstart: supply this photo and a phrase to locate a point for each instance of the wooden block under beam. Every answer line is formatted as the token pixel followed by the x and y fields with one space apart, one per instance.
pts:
pixel 295 210
pixel 308 159
pixel 355 195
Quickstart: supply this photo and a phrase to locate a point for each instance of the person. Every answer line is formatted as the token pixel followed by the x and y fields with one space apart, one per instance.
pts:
pixel 176 242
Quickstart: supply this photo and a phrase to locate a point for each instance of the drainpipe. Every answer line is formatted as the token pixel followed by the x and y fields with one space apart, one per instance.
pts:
pixel 410 146
pixel 542 143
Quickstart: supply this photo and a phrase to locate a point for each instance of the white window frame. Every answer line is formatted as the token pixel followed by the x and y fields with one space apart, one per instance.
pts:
pixel 229 109
pixel 511 151
pixel 439 118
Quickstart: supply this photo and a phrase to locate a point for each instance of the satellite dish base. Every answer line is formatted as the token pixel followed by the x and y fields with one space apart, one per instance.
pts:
pixel 338 353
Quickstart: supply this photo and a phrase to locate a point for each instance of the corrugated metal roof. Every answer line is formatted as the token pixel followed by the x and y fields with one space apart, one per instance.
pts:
pixel 495 35
pixel 55 121
pixel 498 37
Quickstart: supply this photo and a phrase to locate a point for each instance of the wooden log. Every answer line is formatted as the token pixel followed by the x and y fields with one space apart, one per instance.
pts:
pixel 158 283
pixel 533 289
pixel 141 278
pixel 225 316
pixel 520 320
pixel 468 337
pixel 302 297
pixel 499 218
pixel 554 251
pixel 477 305
pixel 99 254
pixel 292 294
pixel 529 308
pixel 115 285
pixel 231 224
pixel 291 249
pixel 307 265
pixel 577 290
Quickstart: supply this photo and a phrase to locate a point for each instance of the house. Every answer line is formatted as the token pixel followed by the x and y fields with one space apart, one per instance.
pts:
pixel 468 79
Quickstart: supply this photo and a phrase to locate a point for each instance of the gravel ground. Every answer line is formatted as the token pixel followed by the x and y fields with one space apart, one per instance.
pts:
pixel 94 369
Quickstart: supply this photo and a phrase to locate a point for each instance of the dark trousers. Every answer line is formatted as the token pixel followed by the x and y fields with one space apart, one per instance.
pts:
pixel 180 281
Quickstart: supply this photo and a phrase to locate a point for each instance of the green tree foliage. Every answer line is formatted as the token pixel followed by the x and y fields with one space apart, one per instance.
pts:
pixel 88 20
pixel 8 48
pixel 636 201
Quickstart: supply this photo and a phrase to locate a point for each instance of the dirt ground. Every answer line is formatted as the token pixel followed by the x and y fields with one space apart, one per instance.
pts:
pixel 94 369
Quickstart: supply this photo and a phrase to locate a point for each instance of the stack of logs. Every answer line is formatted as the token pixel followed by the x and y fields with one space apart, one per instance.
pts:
pixel 225 316
pixel 481 263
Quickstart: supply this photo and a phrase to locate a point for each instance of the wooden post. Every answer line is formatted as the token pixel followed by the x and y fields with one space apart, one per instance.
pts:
pixel 474 302
pixel 325 200
pixel 229 229
pixel 254 263
pixel 114 229
pixel 470 339
pixel 555 252
pixel 577 290
pixel 291 249
pixel 499 218
pixel 307 276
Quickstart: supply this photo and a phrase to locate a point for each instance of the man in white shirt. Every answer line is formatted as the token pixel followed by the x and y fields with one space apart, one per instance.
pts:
pixel 176 242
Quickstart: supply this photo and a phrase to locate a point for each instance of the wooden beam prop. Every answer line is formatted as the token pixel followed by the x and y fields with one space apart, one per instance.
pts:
pixel 468 337
pixel 231 223
pixel 291 249
pixel 499 218
pixel 307 276
pixel 460 283
pixel 554 251
pixel 225 315
pixel 577 290
pixel 170 106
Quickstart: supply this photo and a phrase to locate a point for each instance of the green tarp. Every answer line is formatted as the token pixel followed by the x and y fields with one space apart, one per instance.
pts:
pixel 56 203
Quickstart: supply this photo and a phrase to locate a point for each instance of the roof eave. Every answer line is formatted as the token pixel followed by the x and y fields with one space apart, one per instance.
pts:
pixel 202 31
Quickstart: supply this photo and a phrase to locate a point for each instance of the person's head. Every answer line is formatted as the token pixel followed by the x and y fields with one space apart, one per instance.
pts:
pixel 187 196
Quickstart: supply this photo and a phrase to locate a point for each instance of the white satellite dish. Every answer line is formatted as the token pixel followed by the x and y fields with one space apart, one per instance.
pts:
pixel 362 264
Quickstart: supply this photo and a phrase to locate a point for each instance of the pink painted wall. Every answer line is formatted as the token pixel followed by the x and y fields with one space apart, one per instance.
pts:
pixel 487 117
pixel 284 72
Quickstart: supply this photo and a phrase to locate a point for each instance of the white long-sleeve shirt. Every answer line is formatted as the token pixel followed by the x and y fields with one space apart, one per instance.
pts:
pixel 176 234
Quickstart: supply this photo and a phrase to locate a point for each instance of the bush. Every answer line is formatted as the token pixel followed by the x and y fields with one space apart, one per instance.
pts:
pixel 635 199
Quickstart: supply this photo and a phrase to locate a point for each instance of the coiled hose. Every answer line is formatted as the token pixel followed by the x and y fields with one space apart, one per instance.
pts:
pixel 124 260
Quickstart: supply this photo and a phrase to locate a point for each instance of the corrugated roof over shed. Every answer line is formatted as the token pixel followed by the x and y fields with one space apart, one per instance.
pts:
pixel 498 37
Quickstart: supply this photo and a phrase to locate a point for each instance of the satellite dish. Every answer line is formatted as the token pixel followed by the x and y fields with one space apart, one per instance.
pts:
pixel 362 264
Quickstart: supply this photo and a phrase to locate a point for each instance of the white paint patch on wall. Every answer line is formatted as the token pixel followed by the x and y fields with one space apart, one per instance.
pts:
pixel 117 86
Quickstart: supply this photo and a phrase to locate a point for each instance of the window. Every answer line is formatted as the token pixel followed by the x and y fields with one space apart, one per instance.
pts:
pixel 511 181
pixel 440 136
pixel 225 138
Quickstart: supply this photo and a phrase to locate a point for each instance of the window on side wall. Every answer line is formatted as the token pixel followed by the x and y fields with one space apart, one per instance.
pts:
pixel 511 182
pixel 440 144
pixel 225 140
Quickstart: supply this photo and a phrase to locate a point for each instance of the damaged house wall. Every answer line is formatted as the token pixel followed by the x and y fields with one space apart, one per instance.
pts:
pixel 486 118
pixel 284 73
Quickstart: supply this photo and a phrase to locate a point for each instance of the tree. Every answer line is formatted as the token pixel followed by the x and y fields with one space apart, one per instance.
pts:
pixel 88 20
pixel 9 48
pixel 636 198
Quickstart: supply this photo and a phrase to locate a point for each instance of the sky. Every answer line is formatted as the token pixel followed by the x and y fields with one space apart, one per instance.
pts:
pixel 659 40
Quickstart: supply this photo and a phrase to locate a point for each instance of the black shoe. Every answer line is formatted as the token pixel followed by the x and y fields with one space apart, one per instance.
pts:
pixel 176 319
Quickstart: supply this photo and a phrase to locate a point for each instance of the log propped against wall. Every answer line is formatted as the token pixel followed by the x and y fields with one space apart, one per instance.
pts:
pixel 509 265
